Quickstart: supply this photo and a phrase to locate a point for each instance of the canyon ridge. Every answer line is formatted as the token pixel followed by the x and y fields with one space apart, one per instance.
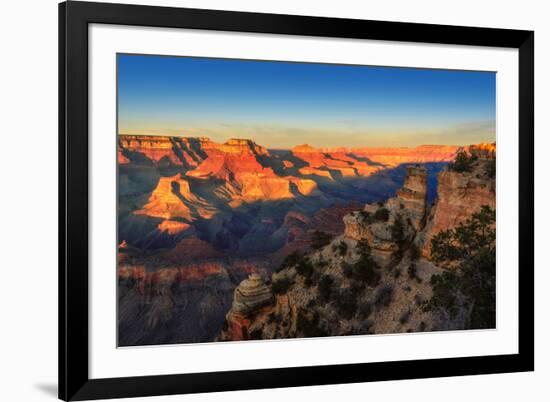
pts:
pixel 235 241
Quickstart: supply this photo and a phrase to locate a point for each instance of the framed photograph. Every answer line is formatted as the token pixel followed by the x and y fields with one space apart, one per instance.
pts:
pixel 257 200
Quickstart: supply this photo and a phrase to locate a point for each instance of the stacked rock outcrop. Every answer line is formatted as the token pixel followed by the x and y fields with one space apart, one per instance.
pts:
pixel 377 225
pixel 250 298
pixel 412 197
pixel 250 295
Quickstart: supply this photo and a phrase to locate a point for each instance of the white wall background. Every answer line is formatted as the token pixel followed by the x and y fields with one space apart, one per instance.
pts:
pixel 28 198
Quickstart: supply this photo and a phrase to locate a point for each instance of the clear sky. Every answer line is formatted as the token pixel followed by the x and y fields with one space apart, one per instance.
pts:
pixel 281 104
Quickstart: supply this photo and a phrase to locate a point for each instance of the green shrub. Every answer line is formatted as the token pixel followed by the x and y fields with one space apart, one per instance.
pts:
pixel 383 296
pixel 491 168
pixel 320 239
pixel 273 318
pixel 465 241
pixel 304 267
pixel 356 287
pixel 412 271
pixel 463 162
pixel 256 334
pixel 346 304
pixel 397 230
pixel 469 253
pixel 321 263
pixel 396 256
pixel 445 293
pixel 307 323
pixel 325 287
pixel 414 252
pixel 363 247
pixel 281 286
pixel 365 216
pixel 382 214
pixel 290 260
pixel 365 310
pixel 342 248
pixel 365 270
pixel 404 318
pixel 346 269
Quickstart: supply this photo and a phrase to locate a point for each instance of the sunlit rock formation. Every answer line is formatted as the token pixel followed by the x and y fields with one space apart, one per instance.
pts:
pixel 331 164
pixel 173 227
pixel 250 297
pixel 460 194
pixel 173 198
pixel 374 224
pixel 412 197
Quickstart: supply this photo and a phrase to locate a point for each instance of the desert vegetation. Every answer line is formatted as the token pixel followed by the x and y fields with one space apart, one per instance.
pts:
pixel 468 253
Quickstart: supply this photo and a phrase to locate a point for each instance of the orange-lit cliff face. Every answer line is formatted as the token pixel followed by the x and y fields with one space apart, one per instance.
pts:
pixel 204 158
pixel 421 154
pixel 461 194
pixel 179 151
pixel 332 162
pixel 234 163
pixel 192 152
pixel 173 198
pixel 354 162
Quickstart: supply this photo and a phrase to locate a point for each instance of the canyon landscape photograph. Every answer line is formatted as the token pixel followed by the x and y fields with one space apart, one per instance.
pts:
pixel 262 200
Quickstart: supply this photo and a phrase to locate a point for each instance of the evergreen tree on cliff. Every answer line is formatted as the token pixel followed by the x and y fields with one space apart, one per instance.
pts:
pixel 469 254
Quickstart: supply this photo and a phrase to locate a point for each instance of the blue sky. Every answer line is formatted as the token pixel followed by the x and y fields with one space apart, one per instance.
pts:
pixel 280 104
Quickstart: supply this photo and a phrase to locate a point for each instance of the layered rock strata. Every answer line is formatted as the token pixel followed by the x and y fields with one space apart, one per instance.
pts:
pixel 250 298
pixel 173 198
pixel 461 194
pixel 250 295
pixel 412 196
pixel 374 224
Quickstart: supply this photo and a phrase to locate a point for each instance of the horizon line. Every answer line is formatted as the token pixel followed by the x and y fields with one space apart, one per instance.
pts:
pixel 301 143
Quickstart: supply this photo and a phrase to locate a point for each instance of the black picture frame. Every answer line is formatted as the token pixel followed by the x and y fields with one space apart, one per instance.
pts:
pixel 74 18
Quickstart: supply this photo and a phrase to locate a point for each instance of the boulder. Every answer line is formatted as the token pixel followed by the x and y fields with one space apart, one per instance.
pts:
pixel 250 296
